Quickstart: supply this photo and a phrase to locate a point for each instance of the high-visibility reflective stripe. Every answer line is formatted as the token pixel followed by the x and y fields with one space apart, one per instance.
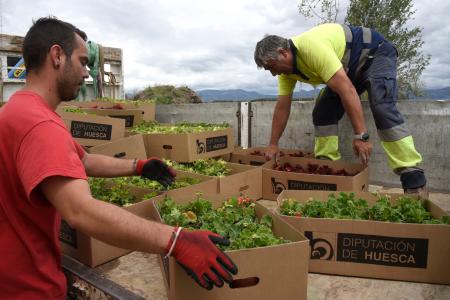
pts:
pixel 402 153
pixel 394 134
pixel 326 130
pixel 348 33
pixel 327 147
pixel 367 40
pixel 348 50
pixel 362 50
pixel 367 35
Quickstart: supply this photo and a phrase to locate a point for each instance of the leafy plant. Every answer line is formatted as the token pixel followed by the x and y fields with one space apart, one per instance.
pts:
pixel 183 127
pixel 138 181
pixel 346 206
pixel 117 194
pixel 235 219
pixel 209 167
pixel 116 190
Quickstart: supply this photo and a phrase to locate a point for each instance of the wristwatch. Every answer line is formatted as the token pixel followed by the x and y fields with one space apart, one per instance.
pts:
pixel 362 136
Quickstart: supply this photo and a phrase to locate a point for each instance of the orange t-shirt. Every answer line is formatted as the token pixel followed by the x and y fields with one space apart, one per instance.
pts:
pixel 35 144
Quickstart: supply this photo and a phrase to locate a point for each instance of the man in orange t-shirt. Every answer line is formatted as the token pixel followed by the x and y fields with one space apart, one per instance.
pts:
pixel 43 178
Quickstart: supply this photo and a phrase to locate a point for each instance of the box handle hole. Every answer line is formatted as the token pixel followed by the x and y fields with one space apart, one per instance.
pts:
pixel 120 154
pixel 243 188
pixel 167 146
pixel 244 282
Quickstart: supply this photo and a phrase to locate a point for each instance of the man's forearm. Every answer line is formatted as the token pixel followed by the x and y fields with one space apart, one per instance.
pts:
pixel 97 165
pixel 121 228
pixel 279 121
pixel 104 221
pixel 353 108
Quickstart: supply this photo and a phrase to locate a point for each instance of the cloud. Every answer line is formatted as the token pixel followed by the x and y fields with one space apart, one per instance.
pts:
pixel 203 43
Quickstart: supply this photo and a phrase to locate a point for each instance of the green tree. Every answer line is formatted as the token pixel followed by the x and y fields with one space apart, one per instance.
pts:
pixel 324 10
pixel 390 17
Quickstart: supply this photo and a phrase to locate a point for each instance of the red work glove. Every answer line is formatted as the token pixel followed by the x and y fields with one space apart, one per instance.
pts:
pixel 197 253
pixel 155 169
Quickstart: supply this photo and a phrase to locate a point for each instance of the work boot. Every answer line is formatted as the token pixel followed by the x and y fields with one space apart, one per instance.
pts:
pixel 420 193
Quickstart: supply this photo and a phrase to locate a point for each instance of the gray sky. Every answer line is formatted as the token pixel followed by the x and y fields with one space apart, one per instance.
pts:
pixel 206 43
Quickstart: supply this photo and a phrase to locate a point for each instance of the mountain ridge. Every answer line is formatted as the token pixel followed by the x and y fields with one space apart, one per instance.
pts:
pixel 211 95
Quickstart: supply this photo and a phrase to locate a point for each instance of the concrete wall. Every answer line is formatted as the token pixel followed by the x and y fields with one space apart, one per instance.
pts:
pixel 207 112
pixel 428 121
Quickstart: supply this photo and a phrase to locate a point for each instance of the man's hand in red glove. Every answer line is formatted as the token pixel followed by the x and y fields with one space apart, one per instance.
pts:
pixel 155 169
pixel 197 253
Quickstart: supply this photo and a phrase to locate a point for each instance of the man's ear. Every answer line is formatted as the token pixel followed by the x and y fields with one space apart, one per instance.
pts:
pixel 56 56
pixel 283 52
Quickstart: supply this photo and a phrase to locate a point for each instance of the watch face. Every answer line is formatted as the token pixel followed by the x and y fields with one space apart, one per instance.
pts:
pixel 365 137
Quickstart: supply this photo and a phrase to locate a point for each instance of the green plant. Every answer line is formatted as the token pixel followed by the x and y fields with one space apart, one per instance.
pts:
pixel 117 194
pixel 183 127
pixel 392 19
pixel 209 167
pixel 235 219
pixel 346 206
pixel 116 190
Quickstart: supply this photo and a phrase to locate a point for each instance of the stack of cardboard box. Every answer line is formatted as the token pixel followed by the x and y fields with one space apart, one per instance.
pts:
pixel 413 252
pixel 99 122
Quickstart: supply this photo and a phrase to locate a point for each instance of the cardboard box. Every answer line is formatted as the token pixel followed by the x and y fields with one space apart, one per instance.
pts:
pixel 132 117
pixel 187 147
pixel 91 130
pixel 242 179
pixel 275 272
pixel 276 181
pixel 128 147
pixel 244 156
pixel 374 249
pixel 93 252
pixel 147 107
pixel 79 104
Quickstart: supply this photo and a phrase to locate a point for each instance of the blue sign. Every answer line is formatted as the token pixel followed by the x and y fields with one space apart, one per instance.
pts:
pixel 18 71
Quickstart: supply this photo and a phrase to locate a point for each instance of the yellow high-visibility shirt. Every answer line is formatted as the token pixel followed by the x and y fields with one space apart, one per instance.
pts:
pixel 319 54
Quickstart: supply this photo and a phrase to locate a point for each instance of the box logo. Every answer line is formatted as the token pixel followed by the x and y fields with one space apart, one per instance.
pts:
pixel 216 143
pixel 304 185
pixel 277 187
pixel 382 250
pixel 93 131
pixel 129 119
pixel 200 147
pixel 67 234
pixel 321 248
